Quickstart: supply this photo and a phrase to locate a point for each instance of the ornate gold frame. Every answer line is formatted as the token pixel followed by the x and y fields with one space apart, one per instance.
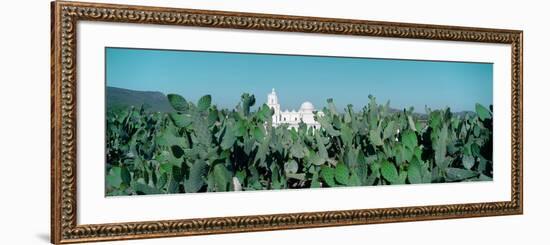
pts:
pixel 66 15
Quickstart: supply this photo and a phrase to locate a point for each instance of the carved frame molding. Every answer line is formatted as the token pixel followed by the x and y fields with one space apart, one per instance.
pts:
pixel 66 15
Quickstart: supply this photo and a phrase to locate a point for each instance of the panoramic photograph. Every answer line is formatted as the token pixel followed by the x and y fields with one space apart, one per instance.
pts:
pixel 181 121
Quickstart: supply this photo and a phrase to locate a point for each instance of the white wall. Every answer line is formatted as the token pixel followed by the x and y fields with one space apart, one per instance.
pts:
pixel 25 105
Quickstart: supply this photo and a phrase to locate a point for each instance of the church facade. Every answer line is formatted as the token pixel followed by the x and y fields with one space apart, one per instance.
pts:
pixel 305 114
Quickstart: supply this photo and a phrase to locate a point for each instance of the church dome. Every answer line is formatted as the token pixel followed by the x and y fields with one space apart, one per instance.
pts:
pixel 307 106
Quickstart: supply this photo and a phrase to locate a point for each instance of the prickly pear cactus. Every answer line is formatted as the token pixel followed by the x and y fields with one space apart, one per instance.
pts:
pixel 200 148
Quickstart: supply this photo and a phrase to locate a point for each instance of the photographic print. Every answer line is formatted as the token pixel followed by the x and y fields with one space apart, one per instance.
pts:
pixel 348 121
pixel 198 121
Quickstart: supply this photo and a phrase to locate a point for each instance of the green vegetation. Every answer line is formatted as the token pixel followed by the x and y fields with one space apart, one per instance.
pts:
pixel 199 148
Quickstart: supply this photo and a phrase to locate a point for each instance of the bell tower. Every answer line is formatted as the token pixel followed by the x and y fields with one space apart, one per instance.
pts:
pixel 273 102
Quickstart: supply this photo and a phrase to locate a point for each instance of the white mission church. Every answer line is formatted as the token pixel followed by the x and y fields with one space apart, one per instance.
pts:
pixel 292 118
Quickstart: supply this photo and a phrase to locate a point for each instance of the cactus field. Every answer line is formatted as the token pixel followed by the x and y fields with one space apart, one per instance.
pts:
pixel 201 148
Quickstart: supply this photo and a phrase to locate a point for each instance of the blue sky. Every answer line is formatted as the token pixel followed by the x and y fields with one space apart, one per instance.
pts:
pixel 296 78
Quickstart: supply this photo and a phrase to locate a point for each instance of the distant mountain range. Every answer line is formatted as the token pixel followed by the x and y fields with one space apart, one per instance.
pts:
pixel 157 101
pixel 153 101
pixel 424 116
